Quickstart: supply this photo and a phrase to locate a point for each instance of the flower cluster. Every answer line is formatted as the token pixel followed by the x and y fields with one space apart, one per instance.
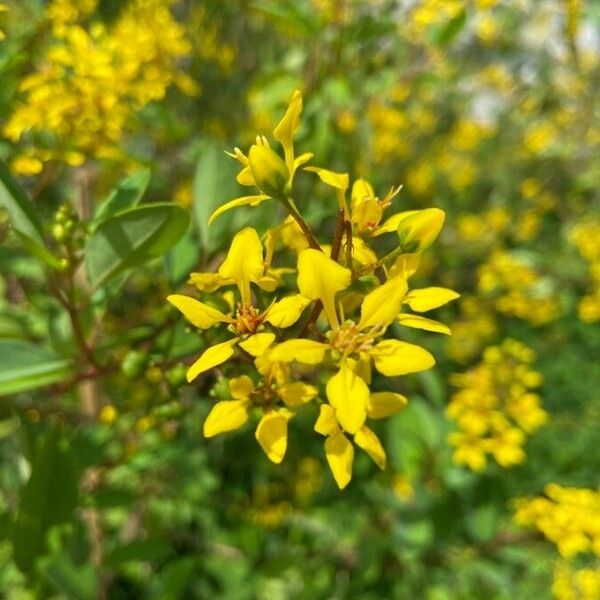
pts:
pixel 586 237
pixel 569 517
pixel 575 584
pixel 92 79
pixel 323 342
pixel 495 407
pixel 518 289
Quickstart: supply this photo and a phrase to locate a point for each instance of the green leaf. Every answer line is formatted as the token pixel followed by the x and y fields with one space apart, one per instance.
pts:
pixel 182 258
pixel 75 582
pixel 22 213
pixel 214 184
pixel 132 238
pixel 127 194
pixel 26 366
pixel 38 251
pixel 444 35
pixel 48 499
pixel 139 550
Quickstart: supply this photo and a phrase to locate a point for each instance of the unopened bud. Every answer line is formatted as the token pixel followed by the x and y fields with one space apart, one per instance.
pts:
pixel 269 171
pixel 419 228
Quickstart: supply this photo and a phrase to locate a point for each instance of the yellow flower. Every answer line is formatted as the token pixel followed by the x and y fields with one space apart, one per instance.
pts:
pixel 271 432
pixel 353 345
pixel 242 266
pixel 263 167
pixel 339 450
pixel 494 409
pixel 568 516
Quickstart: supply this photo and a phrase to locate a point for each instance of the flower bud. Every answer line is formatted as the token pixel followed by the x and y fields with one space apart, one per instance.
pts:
pixel 419 228
pixel 133 363
pixel 269 171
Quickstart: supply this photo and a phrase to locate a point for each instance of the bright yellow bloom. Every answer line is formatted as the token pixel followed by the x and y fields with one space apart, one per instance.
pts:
pixel 339 450
pixel 242 266
pixel 264 169
pixel 271 432
pixel 353 346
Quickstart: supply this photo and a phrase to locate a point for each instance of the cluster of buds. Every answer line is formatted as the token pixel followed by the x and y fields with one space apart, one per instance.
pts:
pixel 69 234
pixel 321 342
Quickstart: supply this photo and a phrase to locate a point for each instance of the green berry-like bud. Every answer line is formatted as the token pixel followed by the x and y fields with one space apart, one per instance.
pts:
pixel 176 375
pixel 133 363
pixel 58 232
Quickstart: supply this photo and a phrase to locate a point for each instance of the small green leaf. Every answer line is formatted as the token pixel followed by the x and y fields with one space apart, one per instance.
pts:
pixel 48 499
pixel 22 213
pixel 26 366
pixel 132 238
pixel 127 194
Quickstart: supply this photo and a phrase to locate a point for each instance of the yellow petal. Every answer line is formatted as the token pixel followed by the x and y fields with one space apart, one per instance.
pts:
pixel 288 127
pixel 367 214
pixel 267 283
pixel 361 190
pixel 198 314
pixel 348 394
pixel 297 393
pixel 244 262
pixel 429 298
pixel 339 181
pixel 211 357
pixel 369 442
pixel 257 344
pixel 393 357
pixel 320 278
pixel 391 224
pixel 385 404
pixel 361 252
pixel 419 322
pixel 418 230
pixel 301 160
pixel 327 423
pixel 243 201
pixel 287 311
pixel 340 454
pixel 381 306
pixel 361 366
pixel 271 434
pixel 226 416
pixel 240 388
pixel 405 265
pixel 308 352
pixel 245 177
pixel 208 282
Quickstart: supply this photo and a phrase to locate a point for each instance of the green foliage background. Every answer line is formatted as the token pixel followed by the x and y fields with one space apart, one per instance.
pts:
pixel 136 503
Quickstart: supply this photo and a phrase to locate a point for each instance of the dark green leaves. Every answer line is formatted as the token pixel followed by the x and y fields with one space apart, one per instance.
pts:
pixel 127 194
pixel 131 238
pixel 26 366
pixel 48 499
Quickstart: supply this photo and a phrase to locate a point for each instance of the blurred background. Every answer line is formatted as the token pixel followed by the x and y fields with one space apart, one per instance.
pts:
pixel 487 109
